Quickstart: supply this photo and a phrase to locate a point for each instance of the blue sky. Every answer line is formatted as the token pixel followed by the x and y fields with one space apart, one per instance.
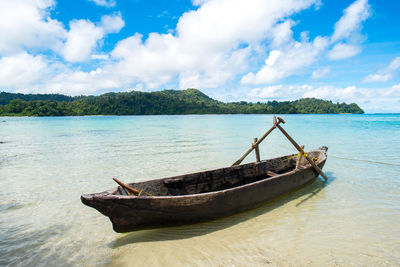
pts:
pixel 255 50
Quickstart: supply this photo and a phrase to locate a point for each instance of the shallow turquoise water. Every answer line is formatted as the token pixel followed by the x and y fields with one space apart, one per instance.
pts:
pixel 47 163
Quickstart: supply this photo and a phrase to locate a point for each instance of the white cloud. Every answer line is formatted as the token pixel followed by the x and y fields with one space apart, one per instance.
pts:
pixel 288 61
pixel 82 39
pixel 393 92
pixel 347 33
pixel 292 92
pixel 105 3
pixel 207 49
pixel 222 24
pixel 154 62
pixel 292 57
pixel 370 99
pixel 84 36
pixel 112 23
pixel 341 51
pixel 350 23
pixel 212 45
pixel 394 65
pixel 80 82
pixel 377 77
pixel 99 56
pixel 25 24
pixel 282 33
pixel 278 92
pixel 273 92
pixel 33 74
pixel 320 73
pixel 386 74
pixel 199 2
pixel 21 70
pixel 349 93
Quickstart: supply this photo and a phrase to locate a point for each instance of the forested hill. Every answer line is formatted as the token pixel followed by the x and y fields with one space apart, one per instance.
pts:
pixel 189 101
pixel 5 98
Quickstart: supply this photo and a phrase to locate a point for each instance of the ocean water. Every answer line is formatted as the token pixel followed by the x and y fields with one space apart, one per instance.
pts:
pixel 47 163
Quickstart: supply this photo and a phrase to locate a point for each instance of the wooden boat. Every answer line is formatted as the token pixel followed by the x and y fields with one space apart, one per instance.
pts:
pixel 205 195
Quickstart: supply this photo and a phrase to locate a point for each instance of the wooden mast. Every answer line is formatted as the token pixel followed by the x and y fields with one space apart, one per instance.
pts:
pixel 255 144
pixel 300 149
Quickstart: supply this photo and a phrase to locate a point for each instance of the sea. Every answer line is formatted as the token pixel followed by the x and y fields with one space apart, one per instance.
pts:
pixel 46 164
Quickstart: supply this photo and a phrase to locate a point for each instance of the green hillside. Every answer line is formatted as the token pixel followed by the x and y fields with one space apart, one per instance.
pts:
pixel 168 102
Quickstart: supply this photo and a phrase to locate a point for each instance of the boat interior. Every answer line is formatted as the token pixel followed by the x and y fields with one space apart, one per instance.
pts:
pixel 219 179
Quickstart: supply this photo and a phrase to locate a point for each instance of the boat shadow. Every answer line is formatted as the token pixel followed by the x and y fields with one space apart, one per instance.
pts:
pixel 318 188
pixel 203 228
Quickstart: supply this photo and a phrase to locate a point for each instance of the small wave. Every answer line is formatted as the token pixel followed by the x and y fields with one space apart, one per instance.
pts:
pixel 13 205
pixel 16 240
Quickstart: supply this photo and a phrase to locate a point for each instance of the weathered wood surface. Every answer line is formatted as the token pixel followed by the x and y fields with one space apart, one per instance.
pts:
pixel 130 189
pixel 204 195
pixel 257 150
pixel 299 157
pixel 302 151
pixel 258 142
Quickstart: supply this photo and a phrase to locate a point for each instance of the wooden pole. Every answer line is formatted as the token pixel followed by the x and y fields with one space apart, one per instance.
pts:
pixel 133 190
pixel 302 151
pixel 256 150
pixel 299 156
pixel 258 142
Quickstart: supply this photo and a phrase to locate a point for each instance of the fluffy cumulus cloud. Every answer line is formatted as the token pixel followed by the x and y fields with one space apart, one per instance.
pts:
pixel 281 64
pixel 249 41
pixel 385 74
pixel 112 23
pixel 83 36
pixel 343 43
pixel 81 40
pixel 32 46
pixel 25 24
pixel 21 70
pixel 211 46
pixel 370 99
pixel 279 91
pixel 73 82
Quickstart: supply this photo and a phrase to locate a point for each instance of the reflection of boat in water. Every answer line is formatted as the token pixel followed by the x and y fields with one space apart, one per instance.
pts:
pixel 205 195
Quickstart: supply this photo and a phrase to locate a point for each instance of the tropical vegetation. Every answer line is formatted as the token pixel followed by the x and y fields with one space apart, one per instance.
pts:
pixel 169 102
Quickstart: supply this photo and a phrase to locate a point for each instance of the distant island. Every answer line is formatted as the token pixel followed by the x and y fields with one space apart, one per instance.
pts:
pixel 166 102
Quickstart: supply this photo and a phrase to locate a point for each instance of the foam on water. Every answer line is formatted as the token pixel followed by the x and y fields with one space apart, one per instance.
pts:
pixel 47 163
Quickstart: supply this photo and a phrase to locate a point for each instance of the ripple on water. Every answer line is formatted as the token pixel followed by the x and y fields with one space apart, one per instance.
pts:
pixel 351 220
pixel 13 205
pixel 20 245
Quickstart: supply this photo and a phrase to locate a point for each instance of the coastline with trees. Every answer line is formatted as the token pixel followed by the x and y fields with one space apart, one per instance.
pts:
pixel 166 102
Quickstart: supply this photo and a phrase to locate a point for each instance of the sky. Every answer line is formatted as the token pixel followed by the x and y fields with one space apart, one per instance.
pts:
pixel 253 50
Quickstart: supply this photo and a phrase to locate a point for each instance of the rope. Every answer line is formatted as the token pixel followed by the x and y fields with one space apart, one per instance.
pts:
pixel 297 156
pixel 343 158
pixel 361 160
pixel 141 191
pixel 290 157
pixel 365 160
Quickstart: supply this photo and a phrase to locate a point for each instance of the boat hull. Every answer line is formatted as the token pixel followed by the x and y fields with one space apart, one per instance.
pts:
pixel 130 213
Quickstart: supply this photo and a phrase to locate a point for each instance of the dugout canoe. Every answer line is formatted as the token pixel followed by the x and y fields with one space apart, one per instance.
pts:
pixel 204 195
